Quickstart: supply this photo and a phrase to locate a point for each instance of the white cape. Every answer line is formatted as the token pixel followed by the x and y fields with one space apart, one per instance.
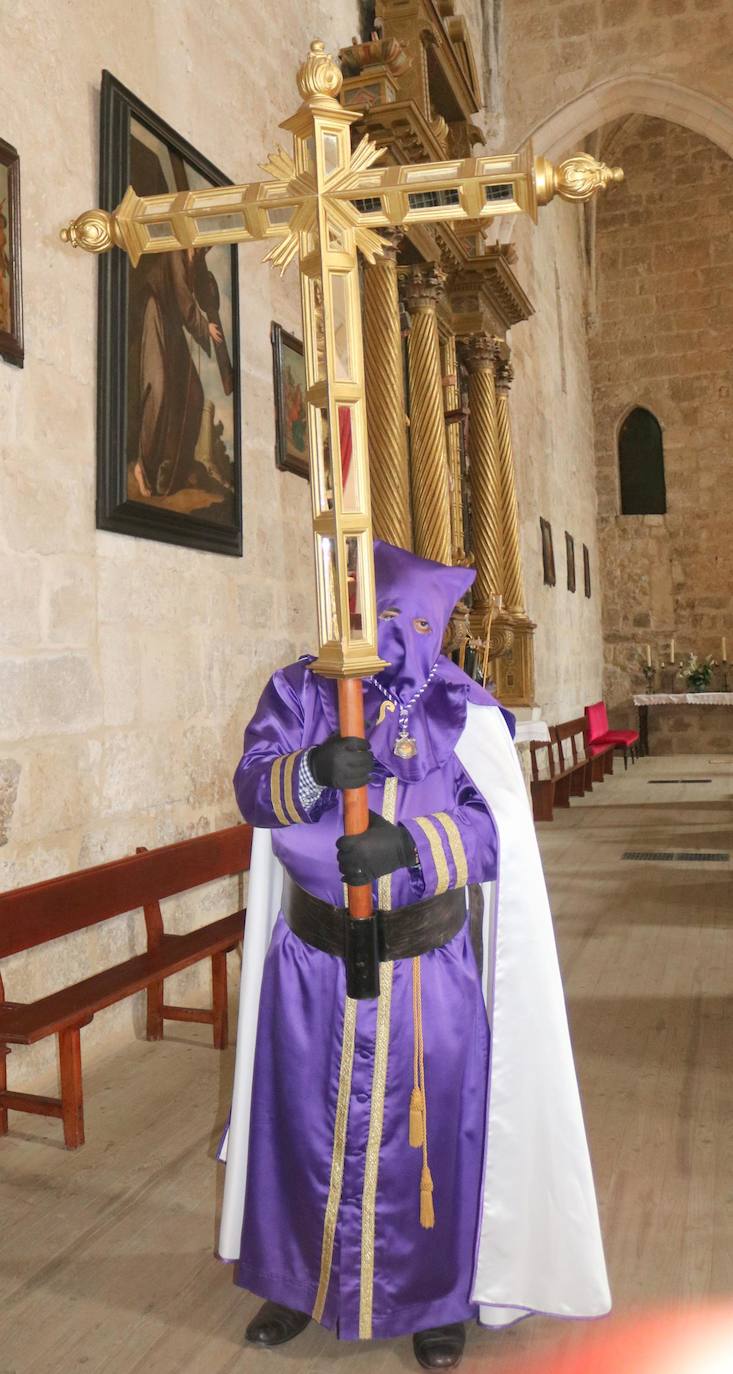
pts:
pixel 540 1246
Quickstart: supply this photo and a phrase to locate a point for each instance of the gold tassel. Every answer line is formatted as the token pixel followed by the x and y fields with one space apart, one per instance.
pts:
pixel 417 1119
pixel 427 1211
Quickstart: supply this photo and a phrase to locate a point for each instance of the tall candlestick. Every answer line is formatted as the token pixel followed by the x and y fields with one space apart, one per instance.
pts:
pixel 648 656
pixel 671 652
pixel 724 655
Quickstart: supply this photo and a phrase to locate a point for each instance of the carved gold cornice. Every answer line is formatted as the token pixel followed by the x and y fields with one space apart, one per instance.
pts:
pixel 401 126
pixel 487 280
pixel 437 40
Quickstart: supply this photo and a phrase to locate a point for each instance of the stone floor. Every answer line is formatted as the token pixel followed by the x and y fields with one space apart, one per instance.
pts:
pixel 106 1256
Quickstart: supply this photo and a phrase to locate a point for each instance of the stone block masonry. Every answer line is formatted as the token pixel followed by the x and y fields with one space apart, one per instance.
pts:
pixel 664 340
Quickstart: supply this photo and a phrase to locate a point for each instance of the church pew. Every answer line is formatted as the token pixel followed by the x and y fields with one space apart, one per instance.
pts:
pixel 573 760
pixel 32 916
pixel 542 782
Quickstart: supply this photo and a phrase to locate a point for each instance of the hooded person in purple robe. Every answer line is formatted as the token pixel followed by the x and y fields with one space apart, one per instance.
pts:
pixel 361 1198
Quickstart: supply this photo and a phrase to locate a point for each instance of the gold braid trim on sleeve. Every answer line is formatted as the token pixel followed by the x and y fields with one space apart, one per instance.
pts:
pixel 290 805
pixel 275 773
pixel 458 853
pixel 437 853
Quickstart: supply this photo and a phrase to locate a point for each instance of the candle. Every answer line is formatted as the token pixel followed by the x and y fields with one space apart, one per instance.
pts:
pixel 671 652
pixel 648 656
pixel 724 655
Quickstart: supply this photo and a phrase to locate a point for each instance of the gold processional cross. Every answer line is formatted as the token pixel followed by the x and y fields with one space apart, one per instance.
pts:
pixel 323 205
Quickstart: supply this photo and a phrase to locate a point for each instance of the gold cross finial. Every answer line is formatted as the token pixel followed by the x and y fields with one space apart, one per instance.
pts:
pixel 319 75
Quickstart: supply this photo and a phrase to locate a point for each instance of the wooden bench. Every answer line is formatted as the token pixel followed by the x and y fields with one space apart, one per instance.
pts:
pixel 567 772
pixel 542 781
pixel 33 916
pixel 574 769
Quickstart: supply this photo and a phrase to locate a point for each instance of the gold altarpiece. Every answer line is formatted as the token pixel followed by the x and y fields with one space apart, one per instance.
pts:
pixel 416 88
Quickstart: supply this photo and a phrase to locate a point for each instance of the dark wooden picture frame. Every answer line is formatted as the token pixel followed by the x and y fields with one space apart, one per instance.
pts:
pixel 586 570
pixel 291 417
pixel 548 553
pixel 11 279
pixel 169 463
pixel 570 560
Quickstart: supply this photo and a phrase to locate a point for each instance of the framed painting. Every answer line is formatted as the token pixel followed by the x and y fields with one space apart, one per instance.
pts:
pixel 291 420
pixel 11 288
pixel 548 553
pixel 168 398
pixel 586 570
pixel 570 560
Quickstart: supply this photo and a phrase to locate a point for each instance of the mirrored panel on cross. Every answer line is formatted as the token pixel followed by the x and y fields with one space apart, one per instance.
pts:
pixel 357 578
pixel 352 498
pixel 342 316
pixel 328 600
pixel 320 437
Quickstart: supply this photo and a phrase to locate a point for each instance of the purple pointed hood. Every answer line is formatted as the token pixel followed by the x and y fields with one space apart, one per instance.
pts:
pixel 419 590
pixel 415 600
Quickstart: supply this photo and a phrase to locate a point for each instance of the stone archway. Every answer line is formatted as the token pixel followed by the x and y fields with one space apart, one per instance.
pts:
pixel 565 129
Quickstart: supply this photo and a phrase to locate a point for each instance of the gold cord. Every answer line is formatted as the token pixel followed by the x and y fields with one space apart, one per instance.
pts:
pixel 418 1130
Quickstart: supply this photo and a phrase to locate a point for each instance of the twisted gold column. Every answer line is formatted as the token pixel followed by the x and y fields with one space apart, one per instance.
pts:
pixel 481 353
pixel 385 399
pixel 428 454
pixel 513 589
pixel 515 668
pixel 452 401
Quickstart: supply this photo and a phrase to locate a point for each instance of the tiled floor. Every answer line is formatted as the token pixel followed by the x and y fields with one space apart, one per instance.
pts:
pixel 106 1254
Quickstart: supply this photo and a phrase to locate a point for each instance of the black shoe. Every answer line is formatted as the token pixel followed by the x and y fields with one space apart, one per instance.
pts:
pixel 441 1347
pixel 274 1325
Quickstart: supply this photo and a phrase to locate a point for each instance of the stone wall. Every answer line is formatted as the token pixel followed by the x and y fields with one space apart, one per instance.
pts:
pixel 129 668
pixel 663 339
pixel 554 50
pixel 552 428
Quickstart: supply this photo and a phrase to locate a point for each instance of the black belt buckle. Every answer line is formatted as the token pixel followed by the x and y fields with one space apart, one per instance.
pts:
pixel 361 955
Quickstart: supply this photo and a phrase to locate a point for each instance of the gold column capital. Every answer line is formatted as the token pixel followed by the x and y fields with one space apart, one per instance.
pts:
pixel 504 377
pixel 423 286
pixel 482 352
pixel 392 239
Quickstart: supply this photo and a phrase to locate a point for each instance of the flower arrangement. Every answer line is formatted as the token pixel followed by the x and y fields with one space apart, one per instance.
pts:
pixel 697 672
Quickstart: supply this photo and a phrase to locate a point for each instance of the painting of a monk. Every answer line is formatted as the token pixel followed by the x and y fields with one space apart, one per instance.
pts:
pixel 169 451
pixel 180 412
pixel 182 300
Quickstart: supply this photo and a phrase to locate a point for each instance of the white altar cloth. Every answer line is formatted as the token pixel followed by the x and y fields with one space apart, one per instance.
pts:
pixel 684 698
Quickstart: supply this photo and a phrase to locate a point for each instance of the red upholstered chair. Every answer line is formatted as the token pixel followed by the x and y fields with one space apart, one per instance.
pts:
pixel 599 736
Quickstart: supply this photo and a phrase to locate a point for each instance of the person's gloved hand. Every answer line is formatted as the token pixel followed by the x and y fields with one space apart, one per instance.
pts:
pixel 381 849
pixel 341 762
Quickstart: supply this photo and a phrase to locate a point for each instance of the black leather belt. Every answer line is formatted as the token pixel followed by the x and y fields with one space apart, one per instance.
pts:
pixel 404 933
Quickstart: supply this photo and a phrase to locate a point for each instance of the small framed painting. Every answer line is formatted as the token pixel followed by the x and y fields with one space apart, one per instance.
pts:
pixel 291 418
pixel 11 294
pixel 548 553
pixel 570 560
pixel 586 570
pixel 169 458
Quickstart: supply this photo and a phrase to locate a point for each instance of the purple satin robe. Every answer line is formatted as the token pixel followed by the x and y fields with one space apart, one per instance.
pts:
pixel 387 1275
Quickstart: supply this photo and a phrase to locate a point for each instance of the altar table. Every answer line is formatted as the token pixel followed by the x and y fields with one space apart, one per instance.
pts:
pixel 646 699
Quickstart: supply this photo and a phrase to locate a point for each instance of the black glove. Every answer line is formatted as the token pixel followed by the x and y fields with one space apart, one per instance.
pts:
pixel 379 850
pixel 341 762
